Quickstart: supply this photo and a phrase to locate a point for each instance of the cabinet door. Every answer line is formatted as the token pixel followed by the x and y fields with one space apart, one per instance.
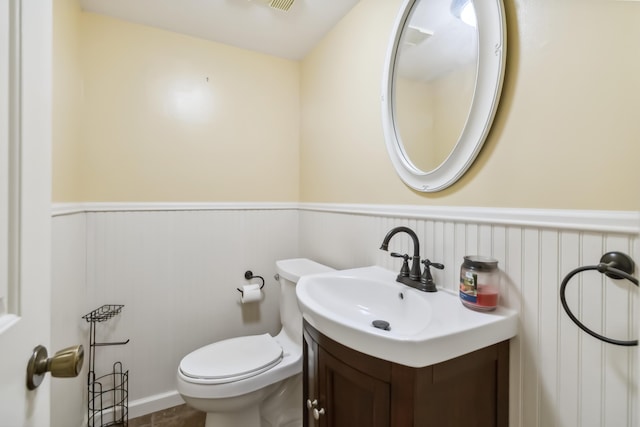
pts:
pixel 309 377
pixel 469 391
pixel 349 397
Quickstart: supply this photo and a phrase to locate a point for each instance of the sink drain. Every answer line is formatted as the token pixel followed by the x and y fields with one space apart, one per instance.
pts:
pixel 381 324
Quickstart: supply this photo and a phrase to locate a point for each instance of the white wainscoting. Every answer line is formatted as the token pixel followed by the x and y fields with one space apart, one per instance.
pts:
pixel 176 272
pixel 68 303
pixel 176 266
pixel 560 376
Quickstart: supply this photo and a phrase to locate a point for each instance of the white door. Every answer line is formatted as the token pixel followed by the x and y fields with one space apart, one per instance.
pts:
pixel 25 181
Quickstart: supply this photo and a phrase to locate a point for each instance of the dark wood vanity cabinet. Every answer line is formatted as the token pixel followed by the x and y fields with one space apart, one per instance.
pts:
pixel 346 388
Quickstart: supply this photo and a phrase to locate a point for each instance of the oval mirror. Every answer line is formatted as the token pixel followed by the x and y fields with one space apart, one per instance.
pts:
pixel 442 82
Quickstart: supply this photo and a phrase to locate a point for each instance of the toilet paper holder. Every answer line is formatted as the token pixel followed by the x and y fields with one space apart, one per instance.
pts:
pixel 249 275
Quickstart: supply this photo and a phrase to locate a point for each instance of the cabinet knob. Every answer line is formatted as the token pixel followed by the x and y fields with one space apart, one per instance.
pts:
pixel 317 413
pixel 312 403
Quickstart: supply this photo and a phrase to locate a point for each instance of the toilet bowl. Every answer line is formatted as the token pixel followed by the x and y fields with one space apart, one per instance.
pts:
pixel 255 380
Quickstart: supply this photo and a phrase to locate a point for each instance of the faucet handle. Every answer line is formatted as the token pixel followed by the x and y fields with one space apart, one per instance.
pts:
pixel 427 263
pixel 397 255
pixel 404 271
pixel 427 279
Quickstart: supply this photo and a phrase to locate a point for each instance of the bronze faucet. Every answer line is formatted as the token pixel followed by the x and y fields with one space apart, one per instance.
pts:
pixel 412 277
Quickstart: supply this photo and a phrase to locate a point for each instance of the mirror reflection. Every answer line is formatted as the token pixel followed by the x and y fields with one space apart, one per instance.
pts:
pixel 434 79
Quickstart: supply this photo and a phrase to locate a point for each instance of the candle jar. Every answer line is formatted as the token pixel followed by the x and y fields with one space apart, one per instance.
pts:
pixel 479 282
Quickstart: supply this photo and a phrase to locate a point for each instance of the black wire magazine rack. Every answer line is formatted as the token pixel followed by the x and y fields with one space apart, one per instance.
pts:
pixel 108 394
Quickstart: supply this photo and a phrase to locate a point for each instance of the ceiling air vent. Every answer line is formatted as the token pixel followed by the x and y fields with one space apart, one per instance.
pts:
pixel 413 36
pixel 281 4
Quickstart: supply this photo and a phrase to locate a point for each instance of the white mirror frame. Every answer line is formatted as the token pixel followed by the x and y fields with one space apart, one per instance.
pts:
pixel 492 40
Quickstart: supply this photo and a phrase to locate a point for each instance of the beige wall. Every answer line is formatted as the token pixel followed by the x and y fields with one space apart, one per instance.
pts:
pixel 66 148
pixel 152 128
pixel 566 135
pixel 165 117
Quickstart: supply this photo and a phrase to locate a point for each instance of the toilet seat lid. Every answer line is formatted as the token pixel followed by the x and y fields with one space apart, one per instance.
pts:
pixel 232 359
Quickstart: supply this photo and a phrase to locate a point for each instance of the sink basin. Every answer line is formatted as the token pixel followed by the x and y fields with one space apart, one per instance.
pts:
pixel 356 300
pixel 423 328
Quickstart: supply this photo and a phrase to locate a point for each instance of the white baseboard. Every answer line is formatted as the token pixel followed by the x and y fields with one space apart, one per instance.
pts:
pixel 155 403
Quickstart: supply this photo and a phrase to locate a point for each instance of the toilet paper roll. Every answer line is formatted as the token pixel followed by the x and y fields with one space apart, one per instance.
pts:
pixel 251 293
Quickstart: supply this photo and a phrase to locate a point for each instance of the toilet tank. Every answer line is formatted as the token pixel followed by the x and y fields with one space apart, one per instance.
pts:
pixel 289 271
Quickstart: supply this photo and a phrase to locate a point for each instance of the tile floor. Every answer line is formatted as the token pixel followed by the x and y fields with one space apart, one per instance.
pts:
pixel 178 416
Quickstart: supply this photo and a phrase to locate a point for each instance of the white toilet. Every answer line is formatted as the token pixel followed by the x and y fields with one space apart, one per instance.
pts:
pixel 253 381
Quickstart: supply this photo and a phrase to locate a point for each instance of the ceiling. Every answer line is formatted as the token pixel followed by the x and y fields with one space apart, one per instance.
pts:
pixel 248 24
